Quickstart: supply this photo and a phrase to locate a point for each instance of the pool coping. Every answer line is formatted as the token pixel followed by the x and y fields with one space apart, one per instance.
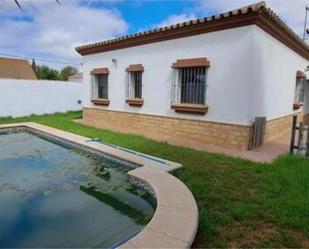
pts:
pixel 175 221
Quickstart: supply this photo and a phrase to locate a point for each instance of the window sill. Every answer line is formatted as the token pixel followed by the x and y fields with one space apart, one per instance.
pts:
pixel 135 102
pixel 104 102
pixel 296 106
pixel 190 108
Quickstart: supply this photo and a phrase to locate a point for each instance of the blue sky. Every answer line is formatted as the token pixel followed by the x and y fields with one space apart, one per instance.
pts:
pixel 143 15
pixel 50 31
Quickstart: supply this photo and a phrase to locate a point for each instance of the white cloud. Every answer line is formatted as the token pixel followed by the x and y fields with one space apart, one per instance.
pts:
pixel 173 19
pixel 50 30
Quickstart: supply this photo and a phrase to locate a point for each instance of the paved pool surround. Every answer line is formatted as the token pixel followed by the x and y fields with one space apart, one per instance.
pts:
pixel 175 221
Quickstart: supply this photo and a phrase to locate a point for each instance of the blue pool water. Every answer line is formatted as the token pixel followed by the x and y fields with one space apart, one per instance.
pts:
pixel 57 197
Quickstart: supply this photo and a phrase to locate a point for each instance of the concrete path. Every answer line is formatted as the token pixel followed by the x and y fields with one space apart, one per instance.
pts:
pixel 266 153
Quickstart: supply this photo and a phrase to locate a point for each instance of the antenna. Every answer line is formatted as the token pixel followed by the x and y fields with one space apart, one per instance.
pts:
pixel 17 3
pixel 305 26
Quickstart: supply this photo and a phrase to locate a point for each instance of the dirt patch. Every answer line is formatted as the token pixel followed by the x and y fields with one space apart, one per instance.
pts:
pixel 303 239
pixel 198 241
pixel 263 234
pixel 253 191
pixel 222 166
pixel 251 236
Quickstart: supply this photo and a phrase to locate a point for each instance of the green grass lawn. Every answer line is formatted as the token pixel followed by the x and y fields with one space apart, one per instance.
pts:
pixel 241 203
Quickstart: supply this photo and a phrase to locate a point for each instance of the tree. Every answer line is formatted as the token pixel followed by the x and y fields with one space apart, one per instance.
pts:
pixel 46 73
pixel 66 72
pixel 34 67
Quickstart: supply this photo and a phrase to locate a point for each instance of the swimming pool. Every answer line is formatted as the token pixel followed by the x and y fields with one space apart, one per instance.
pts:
pixel 54 194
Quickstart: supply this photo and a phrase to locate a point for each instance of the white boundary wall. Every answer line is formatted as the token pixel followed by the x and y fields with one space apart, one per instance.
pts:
pixel 26 97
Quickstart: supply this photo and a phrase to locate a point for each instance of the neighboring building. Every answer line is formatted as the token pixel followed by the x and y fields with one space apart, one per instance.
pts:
pixel 78 77
pixel 199 82
pixel 16 69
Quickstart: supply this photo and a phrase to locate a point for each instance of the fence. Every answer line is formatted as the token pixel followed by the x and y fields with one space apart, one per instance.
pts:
pixel 299 138
pixel 26 97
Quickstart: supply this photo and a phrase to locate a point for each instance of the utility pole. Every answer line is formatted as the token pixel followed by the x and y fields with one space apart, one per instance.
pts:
pixel 305 26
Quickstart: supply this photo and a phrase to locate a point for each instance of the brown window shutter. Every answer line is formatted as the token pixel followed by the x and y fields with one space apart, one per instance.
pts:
pixel 300 74
pixel 194 62
pixel 102 70
pixel 135 68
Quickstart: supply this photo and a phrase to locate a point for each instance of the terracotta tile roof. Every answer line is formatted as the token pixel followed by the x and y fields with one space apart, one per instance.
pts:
pixel 300 74
pixel 77 75
pixel 16 69
pixel 257 14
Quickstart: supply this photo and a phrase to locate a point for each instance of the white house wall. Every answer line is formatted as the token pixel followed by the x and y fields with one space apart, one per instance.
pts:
pixel 230 53
pixel 274 78
pixel 251 74
pixel 26 97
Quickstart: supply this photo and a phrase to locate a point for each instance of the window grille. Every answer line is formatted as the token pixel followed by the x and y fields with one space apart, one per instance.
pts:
pixel 299 90
pixel 100 87
pixel 189 85
pixel 134 85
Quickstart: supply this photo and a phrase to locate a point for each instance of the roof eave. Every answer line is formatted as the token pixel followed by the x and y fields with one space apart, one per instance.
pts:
pixel 263 18
pixel 170 34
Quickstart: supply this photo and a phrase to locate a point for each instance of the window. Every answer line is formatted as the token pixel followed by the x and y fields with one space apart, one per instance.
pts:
pixel 134 85
pixel 192 83
pixel 100 86
pixel 299 90
pixel 189 85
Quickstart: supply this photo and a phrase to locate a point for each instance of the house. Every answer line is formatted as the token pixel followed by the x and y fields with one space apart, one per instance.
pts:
pixel 16 69
pixel 78 77
pixel 204 81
